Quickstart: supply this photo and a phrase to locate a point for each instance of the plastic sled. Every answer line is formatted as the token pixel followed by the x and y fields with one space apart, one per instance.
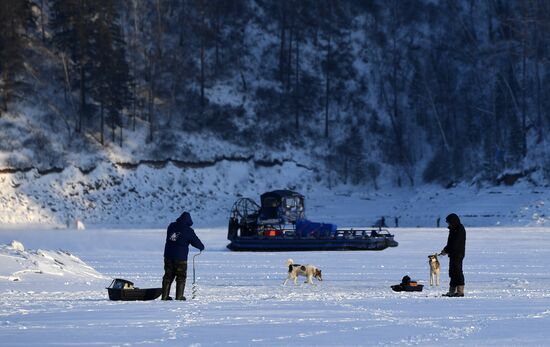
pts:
pixel 407 288
pixel 124 290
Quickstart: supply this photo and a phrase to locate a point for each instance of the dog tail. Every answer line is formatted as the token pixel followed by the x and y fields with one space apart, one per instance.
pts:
pixel 289 262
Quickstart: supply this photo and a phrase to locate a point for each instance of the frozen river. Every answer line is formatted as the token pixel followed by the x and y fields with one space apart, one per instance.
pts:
pixel 241 300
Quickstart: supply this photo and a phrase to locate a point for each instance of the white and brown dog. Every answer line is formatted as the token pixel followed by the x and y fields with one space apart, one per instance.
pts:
pixel 434 269
pixel 309 271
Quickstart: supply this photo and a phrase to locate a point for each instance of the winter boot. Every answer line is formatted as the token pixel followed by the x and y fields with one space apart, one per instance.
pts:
pixel 166 290
pixel 459 291
pixel 180 287
pixel 452 291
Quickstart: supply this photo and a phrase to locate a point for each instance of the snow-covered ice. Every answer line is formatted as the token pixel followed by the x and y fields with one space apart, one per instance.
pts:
pixel 241 300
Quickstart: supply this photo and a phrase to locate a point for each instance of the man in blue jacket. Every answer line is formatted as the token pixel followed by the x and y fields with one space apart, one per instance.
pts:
pixel 179 236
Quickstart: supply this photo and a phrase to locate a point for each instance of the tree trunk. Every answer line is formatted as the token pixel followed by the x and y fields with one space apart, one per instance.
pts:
pixel 150 109
pixel 113 128
pixel 134 65
pixel 327 84
pixel 134 102
pixel 524 102
pixel 82 98
pixel 217 26
pixel 150 103
pixel 202 73
pixel 202 49
pixel 102 126
pixel 297 85
pixel 4 101
pixel 42 21
pixel 289 54
pixel 437 117
pixel 82 37
pixel 539 103
pixel 282 43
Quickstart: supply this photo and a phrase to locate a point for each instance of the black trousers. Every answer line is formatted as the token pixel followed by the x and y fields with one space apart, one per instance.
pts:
pixel 455 272
pixel 174 269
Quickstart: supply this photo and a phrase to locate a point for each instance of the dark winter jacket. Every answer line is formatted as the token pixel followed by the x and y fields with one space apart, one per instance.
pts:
pixel 456 242
pixel 179 236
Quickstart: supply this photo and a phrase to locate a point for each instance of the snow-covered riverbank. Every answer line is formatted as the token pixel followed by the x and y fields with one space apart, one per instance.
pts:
pixel 147 196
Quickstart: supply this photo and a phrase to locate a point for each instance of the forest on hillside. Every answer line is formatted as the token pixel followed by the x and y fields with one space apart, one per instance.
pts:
pixel 440 91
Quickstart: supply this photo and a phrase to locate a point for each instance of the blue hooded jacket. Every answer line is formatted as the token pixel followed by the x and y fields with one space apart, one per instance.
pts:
pixel 179 236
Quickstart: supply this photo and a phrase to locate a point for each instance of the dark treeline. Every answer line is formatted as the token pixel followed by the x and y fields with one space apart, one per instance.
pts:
pixel 439 90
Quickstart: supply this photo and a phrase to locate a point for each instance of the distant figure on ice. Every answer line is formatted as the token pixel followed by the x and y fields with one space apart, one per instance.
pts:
pixel 179 236
pixel 381 223
pixel 437 221
pixel 79 225
pixel 455 249
pixel 397 222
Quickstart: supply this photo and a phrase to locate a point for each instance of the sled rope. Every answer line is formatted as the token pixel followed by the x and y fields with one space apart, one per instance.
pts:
pixel 194 287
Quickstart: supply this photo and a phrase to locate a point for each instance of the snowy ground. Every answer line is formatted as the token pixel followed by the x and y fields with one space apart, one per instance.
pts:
pixel 241 300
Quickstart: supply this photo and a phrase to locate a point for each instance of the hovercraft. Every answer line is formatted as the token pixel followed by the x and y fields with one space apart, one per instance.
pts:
pixel 279 224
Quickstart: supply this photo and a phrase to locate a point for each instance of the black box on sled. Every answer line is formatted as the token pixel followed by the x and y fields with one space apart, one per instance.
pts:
pixel 124 290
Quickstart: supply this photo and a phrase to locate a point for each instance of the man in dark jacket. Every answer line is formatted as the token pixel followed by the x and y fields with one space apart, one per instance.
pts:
pixel 455 249
pixel 179 236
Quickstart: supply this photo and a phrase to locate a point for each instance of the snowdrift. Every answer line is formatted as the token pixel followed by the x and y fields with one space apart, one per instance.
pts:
pixel 19 264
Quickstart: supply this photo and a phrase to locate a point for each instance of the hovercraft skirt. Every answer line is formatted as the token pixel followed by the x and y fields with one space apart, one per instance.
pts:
pixel 290 245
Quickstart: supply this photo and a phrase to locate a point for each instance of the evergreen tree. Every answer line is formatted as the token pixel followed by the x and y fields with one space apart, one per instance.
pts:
pixel 110 79
pixel 72 23
pixel 15 17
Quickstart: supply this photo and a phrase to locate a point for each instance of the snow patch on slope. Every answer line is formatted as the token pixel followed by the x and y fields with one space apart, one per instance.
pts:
pixel 19 264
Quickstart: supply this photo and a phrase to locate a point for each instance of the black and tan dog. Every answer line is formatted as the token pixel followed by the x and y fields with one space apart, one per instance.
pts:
pixel 434 269
pixel 309 271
